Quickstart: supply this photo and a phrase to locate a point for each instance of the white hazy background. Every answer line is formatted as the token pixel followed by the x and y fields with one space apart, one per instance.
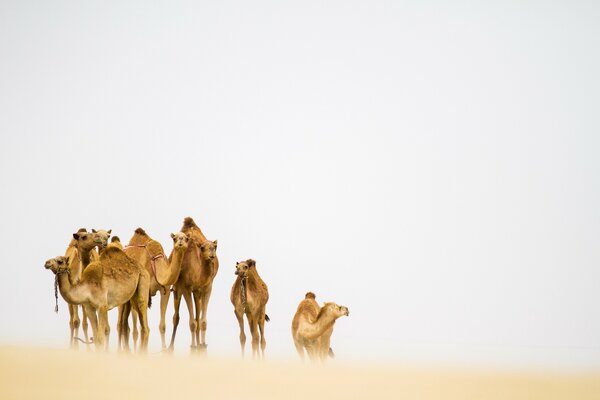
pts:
pixel 432 166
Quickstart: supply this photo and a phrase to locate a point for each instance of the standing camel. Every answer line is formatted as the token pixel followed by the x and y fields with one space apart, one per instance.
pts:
pixel 163 273
pixel 83 252
pixel 312 326
pixel 249 296
pixel 75 271
pixel 198 270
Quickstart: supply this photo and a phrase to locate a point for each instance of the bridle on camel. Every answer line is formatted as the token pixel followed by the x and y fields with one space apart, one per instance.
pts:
pixel 56 279
pixel 152 260
pixel 243 292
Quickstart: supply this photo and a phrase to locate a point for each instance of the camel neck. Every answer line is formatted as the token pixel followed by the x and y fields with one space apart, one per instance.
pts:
pixel 316 329
pixel 169 277
pixel 69 292
pixel 86 256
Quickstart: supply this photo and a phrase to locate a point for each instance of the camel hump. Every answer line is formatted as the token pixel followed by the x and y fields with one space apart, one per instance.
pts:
pixel 310 295
pixel 115 239
pixel 116 255
pixel 188 222
pixel 140 231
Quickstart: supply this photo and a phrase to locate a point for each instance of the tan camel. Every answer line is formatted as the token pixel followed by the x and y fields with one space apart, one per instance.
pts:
pixel 312 326
pixel 163 272
pixel 75 271
pixel 249 296
pixel 107 283
pixel 199 268
pixel 85 246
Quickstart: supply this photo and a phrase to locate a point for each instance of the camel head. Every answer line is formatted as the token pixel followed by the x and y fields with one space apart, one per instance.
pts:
pixel 85 240
pixel 208 250
pixel 180 240
pixel 101 238
pixel 335 310
pixel 58 265
pixel 242 267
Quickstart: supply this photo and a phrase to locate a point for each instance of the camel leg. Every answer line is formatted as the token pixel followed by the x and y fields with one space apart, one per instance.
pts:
pixel 74 325
pixel 240 317
pixel 92 316
pixel 205 297
pixel 254 331
pixel 84 326
pixel 313 351
pixel 106 332
pixel 299 349
pixel 176 303
pixel 324 346
pixel 198 308
pixel 261 327
pixel 123 326
pixel 135 333
pixel 140 302
pixel 101 343
pixel 162 327
pixel 187 296
pixel 141 305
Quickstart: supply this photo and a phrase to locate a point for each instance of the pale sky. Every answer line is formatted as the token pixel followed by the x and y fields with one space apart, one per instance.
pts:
pixel 432 166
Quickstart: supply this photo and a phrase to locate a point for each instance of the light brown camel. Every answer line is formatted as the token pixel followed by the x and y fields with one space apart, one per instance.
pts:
pixel 249 296
pixel 163 273
pixel 107 283
pixel 199 268
pixel 312 326
pixel 85 247
pixel 75 271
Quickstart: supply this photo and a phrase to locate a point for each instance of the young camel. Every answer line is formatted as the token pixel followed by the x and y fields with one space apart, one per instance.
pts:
pixel 312 327
pixel 249 295
pixel 198 270
pixel 107 283
pixel 163 272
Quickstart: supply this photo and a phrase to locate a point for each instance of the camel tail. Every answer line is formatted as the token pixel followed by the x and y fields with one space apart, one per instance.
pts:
pixel 267 318
pixel 331 353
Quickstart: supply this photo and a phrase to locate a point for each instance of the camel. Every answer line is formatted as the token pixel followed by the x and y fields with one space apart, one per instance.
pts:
pixel 107 283
pixel 76 269
pixel 163 272
pixel 249 295
pixel 85 244
pixel 312 326
pixel 198 270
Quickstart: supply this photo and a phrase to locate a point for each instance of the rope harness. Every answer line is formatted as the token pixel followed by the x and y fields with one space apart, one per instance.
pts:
pixel 243 293
pixel 152 261
pixel 56 292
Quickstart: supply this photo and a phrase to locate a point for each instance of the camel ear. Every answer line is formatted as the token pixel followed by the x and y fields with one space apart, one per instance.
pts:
pixel 94 231
pixel 109 231
pixel 215 242
pixel 172 236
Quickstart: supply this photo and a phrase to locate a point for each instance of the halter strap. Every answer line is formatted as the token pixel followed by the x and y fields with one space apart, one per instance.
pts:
pixel 152 260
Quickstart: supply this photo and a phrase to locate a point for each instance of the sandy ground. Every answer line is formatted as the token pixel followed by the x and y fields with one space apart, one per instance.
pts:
pixel 34 373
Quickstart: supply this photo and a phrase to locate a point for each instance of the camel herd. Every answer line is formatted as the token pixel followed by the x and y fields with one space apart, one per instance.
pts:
pixel 98 276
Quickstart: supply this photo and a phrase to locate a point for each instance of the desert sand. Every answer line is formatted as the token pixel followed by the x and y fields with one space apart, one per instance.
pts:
pixel 39 373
